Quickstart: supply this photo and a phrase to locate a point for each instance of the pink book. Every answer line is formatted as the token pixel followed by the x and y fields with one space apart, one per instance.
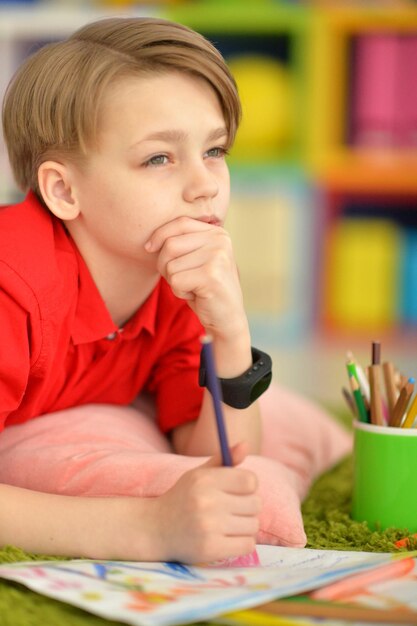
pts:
pixel 407 92
pixel 375 114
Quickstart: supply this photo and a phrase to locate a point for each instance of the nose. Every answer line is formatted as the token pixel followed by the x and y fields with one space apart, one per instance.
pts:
pixel 200 182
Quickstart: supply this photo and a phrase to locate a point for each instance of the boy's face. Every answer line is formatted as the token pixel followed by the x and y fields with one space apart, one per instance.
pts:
pixel 160 156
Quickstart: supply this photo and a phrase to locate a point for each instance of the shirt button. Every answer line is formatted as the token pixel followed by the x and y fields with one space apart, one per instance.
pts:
pixel 111 336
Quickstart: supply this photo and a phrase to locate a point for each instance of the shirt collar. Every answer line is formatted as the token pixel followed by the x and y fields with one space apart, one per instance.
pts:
pixel 92 320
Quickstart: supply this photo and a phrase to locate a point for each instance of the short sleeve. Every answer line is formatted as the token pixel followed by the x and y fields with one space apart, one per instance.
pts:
pixel 174 380
pixel 14 355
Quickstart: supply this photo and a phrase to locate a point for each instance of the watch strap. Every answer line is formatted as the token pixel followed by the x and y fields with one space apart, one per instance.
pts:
pixel 241 391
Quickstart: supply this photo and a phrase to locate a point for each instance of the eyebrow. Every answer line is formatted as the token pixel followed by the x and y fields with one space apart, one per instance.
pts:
pixel 177 136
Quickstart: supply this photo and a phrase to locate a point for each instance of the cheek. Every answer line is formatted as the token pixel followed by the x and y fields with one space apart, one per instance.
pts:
pixel 225 190
pixel 224 180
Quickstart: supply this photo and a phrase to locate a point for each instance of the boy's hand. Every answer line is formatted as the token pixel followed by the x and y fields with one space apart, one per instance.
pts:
pixel 196 259
pixel 211 513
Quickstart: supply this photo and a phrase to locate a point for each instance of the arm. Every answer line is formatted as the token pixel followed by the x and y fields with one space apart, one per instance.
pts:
pixel 200 438
pixel 197 261
pixel 209 514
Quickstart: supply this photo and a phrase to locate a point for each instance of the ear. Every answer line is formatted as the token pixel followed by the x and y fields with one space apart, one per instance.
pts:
pixel 58 193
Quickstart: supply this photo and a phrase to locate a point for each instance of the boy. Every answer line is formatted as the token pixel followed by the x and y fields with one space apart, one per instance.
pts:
pixel 113 267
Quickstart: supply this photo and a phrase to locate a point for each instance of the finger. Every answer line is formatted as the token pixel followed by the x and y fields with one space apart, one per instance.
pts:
pixel 213 256
pixel 246 505
pixel 239 482
pixel 179 226
pixel 180 245
pixel 232 546
pixel 220 547
pixel 231 480
pixel 241 526
pixel 195 259
pixel 213 461
pixel 189 284
pixel 239 452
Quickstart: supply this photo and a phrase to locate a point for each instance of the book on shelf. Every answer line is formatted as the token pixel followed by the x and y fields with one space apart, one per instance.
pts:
pixel 409 278
pixel 407 92
pixel 362 269
pixel 384 98
pixel 376 75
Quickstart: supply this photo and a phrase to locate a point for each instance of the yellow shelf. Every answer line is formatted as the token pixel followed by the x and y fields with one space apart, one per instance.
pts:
pixel 371 18
pixel 332 30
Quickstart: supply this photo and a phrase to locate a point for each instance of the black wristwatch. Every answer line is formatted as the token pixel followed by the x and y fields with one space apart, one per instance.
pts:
pixel 241 391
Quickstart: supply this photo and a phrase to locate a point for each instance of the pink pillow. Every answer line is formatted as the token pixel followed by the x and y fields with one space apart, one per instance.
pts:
pixel 101 450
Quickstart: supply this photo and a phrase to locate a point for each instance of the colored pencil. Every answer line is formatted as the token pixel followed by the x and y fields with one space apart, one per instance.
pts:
pixel 360 405
pixel 376 353
pixel 405 541
pixel 397 380
pixel 349 401
pixel 376 364
pixel 351 369
pixel 411 414
pixel 347 587
pixel 214 388
pixel 256 618
pixel 361 378
pixel 402 381
pixel 334 610
pixel 374 374
pixel 402 403
pixel 390 387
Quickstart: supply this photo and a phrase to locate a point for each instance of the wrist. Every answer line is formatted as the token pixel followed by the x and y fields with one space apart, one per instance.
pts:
pixel 242 390
pixel 232 352
pixel 130 531
pixel 145 537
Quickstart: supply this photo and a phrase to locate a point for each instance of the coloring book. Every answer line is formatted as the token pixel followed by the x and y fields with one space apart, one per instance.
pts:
pixel 165 594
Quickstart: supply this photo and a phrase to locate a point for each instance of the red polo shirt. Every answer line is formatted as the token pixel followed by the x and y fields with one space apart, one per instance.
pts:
pixel 59 347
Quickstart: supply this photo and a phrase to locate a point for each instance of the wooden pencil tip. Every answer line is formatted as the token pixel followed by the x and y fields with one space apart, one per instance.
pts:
pixel 376 352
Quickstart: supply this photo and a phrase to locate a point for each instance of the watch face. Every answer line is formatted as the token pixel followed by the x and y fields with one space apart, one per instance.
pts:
pixel 260 386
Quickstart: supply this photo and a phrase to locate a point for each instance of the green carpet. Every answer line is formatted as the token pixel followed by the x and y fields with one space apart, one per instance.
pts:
pixel 327 524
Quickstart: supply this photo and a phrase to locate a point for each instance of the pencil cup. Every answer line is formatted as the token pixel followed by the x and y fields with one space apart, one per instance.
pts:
pixel 385 470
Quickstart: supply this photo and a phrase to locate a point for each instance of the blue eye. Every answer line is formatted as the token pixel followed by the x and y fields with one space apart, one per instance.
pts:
pixel 217 152
pixel 158 159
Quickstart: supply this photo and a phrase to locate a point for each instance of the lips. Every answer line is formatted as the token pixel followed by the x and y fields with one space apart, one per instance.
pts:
pixel 210 219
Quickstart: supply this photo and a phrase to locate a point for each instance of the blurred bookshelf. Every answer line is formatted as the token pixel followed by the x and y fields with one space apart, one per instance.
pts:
pixel 346 167
pixel 324 183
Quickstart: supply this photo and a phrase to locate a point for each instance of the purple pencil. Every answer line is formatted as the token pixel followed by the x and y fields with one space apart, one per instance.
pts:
pixel 213 386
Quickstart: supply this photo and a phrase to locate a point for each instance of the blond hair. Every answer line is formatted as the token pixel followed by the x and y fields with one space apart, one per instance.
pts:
pixel 52 104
